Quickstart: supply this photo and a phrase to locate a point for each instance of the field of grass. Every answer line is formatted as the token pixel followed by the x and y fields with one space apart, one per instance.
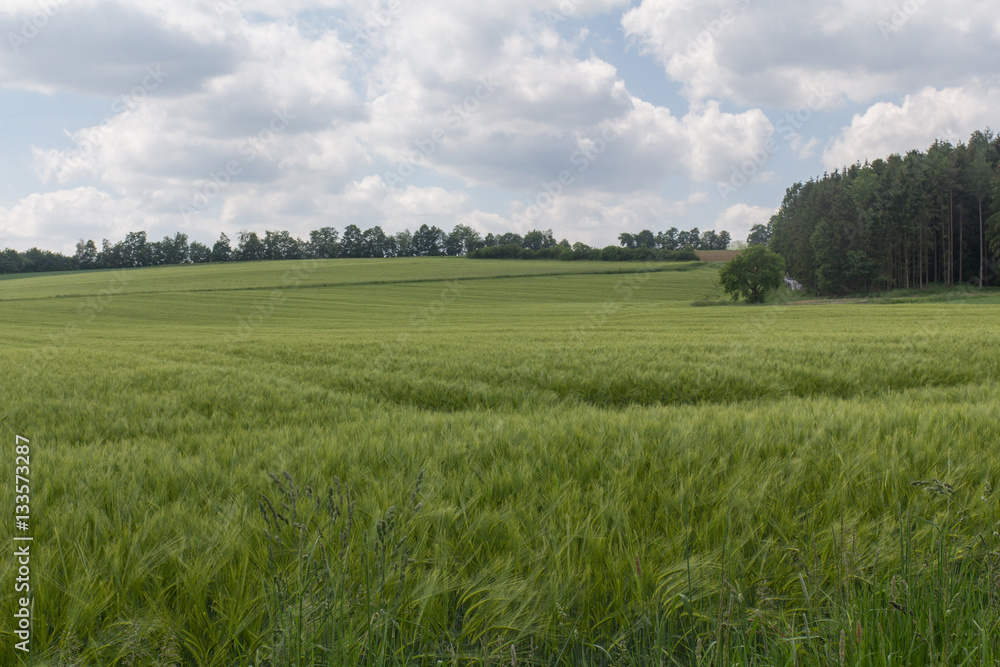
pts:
pixel 447 461
pixel 268 275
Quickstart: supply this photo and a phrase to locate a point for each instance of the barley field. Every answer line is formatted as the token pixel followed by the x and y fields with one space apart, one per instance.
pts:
pixel 458 462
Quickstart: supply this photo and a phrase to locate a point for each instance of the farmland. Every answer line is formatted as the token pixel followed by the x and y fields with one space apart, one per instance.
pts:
pixel 717 255
pixel 527 462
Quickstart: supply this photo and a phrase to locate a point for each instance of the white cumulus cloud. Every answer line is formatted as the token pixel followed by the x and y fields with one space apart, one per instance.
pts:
pixel 738 219
pixel 951 114
pixel 775 53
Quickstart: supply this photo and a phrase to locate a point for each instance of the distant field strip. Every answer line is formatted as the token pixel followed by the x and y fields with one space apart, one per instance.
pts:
pixel 307 273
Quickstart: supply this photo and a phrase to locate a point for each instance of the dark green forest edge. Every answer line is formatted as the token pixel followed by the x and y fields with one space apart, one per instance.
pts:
pixel 903 222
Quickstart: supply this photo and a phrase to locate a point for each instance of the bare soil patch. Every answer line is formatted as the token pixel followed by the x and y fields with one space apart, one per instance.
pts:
pixel 717 255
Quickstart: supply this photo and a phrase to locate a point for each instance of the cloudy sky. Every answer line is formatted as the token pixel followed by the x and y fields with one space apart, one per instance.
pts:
pixel 589 117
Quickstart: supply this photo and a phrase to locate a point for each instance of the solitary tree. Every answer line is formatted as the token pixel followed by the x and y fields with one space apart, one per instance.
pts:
pixel 752 274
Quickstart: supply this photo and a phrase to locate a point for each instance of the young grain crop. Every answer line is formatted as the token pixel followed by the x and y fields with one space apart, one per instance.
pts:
pixel 667 489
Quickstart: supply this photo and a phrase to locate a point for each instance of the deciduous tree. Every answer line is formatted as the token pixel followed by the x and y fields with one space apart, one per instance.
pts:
pixel 752 274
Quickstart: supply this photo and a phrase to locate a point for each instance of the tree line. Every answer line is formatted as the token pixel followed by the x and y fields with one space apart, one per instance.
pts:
pixel 581 251
pixel 906 221
pixel 669 246
pixel 672 239
pixel 137 250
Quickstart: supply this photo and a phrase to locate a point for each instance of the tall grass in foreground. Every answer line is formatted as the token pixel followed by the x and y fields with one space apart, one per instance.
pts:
pixel 936 604
pixel 656 484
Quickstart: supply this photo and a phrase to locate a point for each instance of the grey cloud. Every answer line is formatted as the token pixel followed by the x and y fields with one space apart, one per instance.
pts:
pixel 772 48
pixel 105 50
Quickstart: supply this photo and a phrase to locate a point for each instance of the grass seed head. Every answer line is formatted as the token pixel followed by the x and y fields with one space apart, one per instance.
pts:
pixel 263 513
pixel 416 492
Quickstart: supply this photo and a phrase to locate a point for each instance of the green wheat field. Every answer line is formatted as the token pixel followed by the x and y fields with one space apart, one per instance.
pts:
pixel 442 461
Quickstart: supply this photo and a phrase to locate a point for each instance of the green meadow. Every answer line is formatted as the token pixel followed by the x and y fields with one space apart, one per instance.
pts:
pixel 458 462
